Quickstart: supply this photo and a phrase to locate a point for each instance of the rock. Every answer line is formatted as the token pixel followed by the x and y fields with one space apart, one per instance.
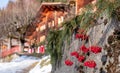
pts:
pixel 104 59
pixel 102 71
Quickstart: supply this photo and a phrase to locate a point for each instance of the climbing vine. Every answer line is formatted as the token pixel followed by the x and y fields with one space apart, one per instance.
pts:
pixel 54 45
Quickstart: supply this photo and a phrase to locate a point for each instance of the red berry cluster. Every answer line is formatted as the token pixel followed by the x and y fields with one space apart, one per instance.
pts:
pixel 81 36
pixel 75 53
pixel 68 62
pixel 83 49
pixel 81 58
pixel 90 64
pixel 95 49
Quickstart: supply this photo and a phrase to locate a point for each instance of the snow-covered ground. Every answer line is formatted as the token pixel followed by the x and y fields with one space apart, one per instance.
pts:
pixel 43 66
pixel 20 63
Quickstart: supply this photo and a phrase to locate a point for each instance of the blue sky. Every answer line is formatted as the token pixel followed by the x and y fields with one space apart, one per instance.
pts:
pixel 3 3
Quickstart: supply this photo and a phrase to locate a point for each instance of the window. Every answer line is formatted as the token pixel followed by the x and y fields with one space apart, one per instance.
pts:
pixel 42 38
pixel 53 23
pixel 37 29
pixel 60 20
pixel 49 24
pixel 43 27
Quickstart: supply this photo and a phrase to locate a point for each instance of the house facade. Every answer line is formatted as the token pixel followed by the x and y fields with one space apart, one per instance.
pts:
pixel 50 16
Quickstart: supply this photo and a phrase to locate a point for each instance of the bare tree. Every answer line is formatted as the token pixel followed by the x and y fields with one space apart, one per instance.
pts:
pixel 17 17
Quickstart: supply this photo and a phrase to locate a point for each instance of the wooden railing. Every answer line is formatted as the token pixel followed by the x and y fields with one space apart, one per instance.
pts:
pixel 9 51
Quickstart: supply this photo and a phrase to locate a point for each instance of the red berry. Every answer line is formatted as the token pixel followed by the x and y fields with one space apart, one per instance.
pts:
pixel 75 53
pixel 95 49
pixel 68 62
pixel 84 49
pixel 84 37
pixel 81 36
pixel 81 58
pixel 78 36
pixel 90 64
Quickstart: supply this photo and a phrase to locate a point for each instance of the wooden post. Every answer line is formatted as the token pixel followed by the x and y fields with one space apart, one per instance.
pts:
pixel 55 15
pixel 46 24
pixel 9 42
pixel 76 3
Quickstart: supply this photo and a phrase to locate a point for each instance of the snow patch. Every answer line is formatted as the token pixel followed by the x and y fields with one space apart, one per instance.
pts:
pixel 44 69
pixel 17 65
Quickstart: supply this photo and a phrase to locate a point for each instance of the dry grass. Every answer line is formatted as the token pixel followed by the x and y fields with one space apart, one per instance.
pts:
pixel 26 70
pixel 44 62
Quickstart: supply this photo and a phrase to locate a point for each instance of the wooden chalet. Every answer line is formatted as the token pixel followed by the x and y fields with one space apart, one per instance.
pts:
pixel 50 16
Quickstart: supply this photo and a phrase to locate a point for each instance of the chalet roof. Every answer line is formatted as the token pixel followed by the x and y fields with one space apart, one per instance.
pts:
pixel 52 3
pixel 51 6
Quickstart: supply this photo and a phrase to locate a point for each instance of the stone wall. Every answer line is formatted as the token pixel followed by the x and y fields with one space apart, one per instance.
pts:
pixel 98 35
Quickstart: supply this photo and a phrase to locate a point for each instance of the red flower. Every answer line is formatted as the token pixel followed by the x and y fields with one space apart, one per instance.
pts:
pixel 68 62
pixel 95 49
pixel 90 64
pixel 75 53
pixel 84 49
pixel 81 58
